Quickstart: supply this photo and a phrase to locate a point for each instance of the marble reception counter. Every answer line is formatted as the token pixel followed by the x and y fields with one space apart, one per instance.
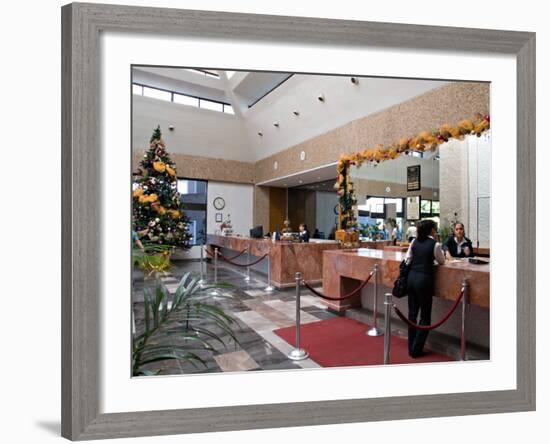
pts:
pixel 344 269
pixel 287 258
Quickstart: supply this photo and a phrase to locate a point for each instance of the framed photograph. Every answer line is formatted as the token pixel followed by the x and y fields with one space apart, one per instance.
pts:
pixel 413 178
pixel 119 188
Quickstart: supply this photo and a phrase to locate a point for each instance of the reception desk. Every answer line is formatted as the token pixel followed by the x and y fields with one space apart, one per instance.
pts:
pixel 286 258
pixel 344 269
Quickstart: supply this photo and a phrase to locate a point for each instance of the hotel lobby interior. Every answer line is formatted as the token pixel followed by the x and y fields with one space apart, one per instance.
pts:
pixel 272 212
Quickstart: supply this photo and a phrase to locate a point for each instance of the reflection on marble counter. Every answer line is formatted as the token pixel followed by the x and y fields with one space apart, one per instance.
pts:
pixel 343 269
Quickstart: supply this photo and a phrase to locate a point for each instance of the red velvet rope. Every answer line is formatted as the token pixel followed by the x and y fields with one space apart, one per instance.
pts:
pixel 234 257
pixel 245 265
pixel 437 324
pixel 349 295
pixel 221 256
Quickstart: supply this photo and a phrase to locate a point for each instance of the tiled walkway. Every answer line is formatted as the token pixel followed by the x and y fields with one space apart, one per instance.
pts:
pixel 257 313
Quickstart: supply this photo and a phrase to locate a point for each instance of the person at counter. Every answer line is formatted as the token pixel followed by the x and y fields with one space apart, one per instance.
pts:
pixel 458 245
pixel 411 232
pixel 303 233
pixel 421 255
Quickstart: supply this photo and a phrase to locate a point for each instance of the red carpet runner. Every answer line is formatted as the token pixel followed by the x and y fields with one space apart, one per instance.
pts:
pixel 342 342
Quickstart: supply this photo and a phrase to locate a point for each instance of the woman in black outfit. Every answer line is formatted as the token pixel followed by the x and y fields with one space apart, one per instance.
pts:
pixel 421 255
pixel 459 245
pixel 304 233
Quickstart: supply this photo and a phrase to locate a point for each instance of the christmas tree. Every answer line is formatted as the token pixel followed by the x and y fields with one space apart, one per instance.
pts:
pixel 158 214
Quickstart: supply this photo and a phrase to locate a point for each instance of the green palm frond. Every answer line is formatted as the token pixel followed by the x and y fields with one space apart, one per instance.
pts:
pixel 190 320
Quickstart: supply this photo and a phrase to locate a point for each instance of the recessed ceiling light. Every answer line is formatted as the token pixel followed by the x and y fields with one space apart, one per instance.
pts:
pixel 260 133
pixel 301 181
pixel 276 124
pixel 296 112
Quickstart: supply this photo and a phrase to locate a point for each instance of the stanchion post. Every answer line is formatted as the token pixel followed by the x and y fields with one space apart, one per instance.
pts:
pixel 202 281
pixel 375 331
pixel 269 287
pixel 298 353
pixel 466 290
pixel 387 335
pixel 247 278
pixel 214 291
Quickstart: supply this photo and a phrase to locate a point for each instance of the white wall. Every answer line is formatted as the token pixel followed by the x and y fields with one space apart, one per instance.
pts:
pixel 197 132
pixel 238 198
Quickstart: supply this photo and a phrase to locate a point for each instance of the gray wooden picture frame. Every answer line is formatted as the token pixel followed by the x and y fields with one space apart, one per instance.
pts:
pixel 81 163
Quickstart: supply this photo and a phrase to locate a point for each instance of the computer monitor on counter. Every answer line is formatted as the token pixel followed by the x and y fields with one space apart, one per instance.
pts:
pixel 257 232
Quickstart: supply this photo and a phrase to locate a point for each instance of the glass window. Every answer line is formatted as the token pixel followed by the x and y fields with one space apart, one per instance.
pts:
pixel 426 206
pixel 193 195
pixel 214 106
pixel 203 72
pixel 186 100
pixel 435 207
pixel 375 204
pixel 137 89
pixel 398 203
pixel 228 109
pixel 157 93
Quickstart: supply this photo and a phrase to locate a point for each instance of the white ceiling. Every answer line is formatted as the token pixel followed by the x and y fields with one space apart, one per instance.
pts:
pixel 325 172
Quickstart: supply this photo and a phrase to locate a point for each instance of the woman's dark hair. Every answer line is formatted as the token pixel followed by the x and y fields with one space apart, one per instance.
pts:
pixel 424 228
pixel 458 223
pixel 304 225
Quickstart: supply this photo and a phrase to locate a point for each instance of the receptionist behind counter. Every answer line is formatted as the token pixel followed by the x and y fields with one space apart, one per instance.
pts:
pixel 457 244
pixel 304 233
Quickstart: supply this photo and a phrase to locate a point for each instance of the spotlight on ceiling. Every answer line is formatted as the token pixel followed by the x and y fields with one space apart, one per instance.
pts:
pixel 296 112
pixel 260 133
pixel 354 80
pixel 276 124
pixel 321 97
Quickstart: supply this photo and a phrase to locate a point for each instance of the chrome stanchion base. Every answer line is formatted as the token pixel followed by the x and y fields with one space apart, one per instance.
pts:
pixel 247 279
pixel 298 354
pixel 374 331
pixel 269 289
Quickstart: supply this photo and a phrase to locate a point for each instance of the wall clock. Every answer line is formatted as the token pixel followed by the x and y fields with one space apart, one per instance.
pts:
pixel 219 203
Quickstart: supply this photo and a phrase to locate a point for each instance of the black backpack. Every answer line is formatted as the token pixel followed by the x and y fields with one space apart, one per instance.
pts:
pixel 400 285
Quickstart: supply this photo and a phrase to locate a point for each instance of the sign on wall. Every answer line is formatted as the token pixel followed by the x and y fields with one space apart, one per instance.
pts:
pixel 413 178
pixel 413 207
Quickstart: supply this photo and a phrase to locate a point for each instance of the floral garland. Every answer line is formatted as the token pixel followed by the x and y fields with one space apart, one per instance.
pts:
pixel 424 141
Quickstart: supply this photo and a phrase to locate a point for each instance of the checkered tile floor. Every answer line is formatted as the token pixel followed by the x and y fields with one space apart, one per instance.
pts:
pixel 257 312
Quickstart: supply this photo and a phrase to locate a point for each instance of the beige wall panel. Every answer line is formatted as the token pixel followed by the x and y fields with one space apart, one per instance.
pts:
pixel 197 167
pixel 448 104
pixel 261 207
